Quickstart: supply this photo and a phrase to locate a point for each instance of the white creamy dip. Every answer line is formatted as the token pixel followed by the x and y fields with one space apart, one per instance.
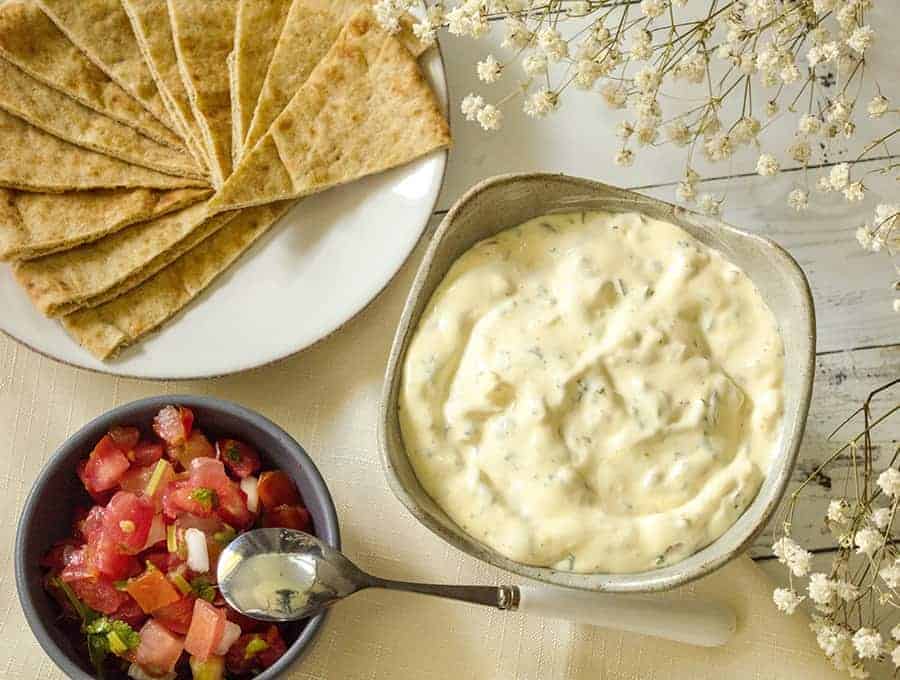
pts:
pixel 593 392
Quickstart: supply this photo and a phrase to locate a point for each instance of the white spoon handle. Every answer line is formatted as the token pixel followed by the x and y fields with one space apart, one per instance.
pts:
pixel 706 624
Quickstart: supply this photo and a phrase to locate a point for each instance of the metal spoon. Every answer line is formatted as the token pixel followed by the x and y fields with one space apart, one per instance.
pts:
pixel 284 575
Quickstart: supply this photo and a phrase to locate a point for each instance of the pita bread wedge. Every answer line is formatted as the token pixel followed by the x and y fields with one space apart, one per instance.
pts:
pixel 105 329
pixel 54 112
pixel 32 42
pixel 33 160
pixel 97 272
pixel 101 29
pixel 32 225
pixel 309 31
pixel 365 108
pixel 150 22
pixel 258 27
pixel 204 37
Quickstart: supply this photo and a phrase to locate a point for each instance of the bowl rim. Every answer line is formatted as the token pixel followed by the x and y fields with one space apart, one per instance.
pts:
pixel 100 424
pixel 654 580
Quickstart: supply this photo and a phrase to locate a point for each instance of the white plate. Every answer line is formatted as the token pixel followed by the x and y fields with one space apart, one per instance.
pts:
pixel 317 268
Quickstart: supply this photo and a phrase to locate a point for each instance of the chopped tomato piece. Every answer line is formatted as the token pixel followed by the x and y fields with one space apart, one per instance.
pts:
pixel 255 651
pixel 127 521
pixel 147 453
pixel 173 424
pixel 196 446
pixel 208 473
pixel 159 649
pixel 94 590
pixel 152 590
pixel 205 633
pixel 126 438
pixel 77 565
pixel 277 488
pixel 92 523
pixel 276 648
pixel 131 613
pixel 58 557
pixel 183 497
pixel 177 616
pixel 241 459
pixel 105 466
pixel 106 557
pixel 247 624
pixel 287 517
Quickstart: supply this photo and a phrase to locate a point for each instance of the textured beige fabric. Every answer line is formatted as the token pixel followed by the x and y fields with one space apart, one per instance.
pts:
pixel 327 398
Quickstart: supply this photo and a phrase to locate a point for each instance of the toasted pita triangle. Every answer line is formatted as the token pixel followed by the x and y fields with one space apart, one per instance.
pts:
pixel 204 37
pixel 54 112
pixel 150 22
pixel 33 160
pixel 105 329
pixel 92 274
pixel 309 31
pixel 101 29
pixel 365 108
pixel 34 224
pixel 32 42
pixel 258 27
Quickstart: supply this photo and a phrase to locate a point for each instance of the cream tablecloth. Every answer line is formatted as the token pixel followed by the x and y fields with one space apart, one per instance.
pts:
pixel 327 398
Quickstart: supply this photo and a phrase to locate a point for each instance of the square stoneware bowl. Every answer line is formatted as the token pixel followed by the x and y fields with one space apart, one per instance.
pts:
pixel 509 200
pixel 47 516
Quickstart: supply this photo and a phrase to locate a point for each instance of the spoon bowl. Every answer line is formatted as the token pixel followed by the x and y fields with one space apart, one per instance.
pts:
pixel 284 575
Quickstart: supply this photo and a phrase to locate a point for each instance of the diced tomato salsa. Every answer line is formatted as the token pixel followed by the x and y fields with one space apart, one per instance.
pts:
pixel 127 573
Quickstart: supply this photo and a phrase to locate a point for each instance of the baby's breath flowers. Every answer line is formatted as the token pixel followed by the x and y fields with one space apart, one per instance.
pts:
pixel 705 76
pixel 857 598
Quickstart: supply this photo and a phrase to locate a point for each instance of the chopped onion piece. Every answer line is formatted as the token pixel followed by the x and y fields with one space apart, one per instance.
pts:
pixel 197 553
pixel 249 487
pixel 157 532
pixel 229 636
pixel 138 673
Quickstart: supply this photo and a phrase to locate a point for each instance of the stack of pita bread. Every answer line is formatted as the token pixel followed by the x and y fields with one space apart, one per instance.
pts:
pixel 148 143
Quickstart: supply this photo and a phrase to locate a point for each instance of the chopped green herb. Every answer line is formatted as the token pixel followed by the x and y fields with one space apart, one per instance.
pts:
pixel 225 536
pixel 106 635
pixel 121 585
pixel 203 589
pixel 254 647
pixel 233 453
pixel 205 497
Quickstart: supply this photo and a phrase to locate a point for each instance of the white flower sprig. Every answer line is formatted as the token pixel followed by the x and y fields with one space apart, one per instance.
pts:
pixel 860 593
pixel 725 68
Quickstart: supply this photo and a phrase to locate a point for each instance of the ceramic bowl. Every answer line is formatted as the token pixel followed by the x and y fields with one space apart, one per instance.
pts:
pixel 506 201
pixel 46 517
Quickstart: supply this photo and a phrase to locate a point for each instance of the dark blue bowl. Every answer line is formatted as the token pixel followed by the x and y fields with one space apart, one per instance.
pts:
pixel 57 491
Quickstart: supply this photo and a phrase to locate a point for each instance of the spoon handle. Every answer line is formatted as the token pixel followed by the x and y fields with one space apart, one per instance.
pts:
pixel 502 597
pixel 702 623
pixel 695 622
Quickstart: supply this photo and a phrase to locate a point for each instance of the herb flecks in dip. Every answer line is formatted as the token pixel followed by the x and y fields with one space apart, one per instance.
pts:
pixel 593 392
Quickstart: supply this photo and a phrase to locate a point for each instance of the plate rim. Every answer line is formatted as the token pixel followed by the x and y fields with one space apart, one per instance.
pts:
pixel 442 64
